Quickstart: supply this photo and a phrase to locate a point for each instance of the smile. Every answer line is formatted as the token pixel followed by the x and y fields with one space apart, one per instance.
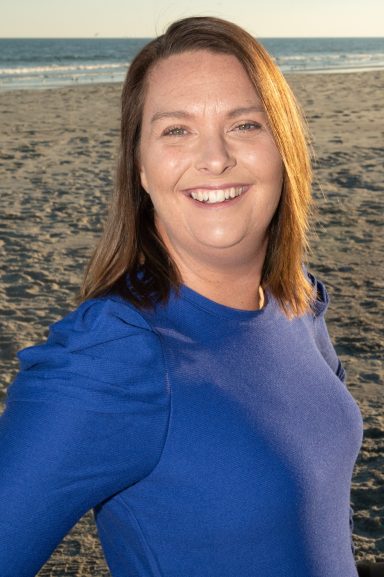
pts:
pixel 218 195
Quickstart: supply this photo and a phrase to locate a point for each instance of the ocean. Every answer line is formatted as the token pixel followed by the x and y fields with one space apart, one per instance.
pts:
pixel 48 63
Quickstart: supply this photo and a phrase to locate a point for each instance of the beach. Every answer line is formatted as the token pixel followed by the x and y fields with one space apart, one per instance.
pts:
pixel 57 156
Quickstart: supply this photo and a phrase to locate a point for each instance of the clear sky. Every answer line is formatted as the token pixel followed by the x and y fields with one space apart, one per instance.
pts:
pixel 147 18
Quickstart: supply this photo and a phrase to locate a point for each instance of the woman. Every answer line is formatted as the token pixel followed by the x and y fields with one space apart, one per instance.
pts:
pixel 194 398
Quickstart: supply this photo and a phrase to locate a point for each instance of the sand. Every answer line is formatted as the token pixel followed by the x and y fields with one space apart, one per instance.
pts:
pixel 57 154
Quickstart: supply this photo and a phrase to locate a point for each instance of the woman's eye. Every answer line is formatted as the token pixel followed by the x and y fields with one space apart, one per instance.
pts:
pixel 174 131
pixel 248 126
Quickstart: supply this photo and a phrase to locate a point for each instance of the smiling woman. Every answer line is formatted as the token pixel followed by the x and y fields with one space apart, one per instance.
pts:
pixel 212 171
pixel 194 399
pixel 193 57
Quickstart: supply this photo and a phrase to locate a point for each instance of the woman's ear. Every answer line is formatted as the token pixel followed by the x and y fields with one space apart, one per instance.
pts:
pixel 140 168
pixel 143 178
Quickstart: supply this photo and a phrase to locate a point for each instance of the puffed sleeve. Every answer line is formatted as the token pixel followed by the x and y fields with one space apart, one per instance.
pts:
pixel 86 417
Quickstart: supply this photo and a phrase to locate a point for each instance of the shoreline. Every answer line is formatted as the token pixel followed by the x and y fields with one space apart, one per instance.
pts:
pixel 75 84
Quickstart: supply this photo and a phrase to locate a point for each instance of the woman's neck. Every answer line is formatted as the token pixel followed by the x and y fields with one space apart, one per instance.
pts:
pixel 239 291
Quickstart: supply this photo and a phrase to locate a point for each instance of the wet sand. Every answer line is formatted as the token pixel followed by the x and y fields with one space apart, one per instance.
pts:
pixel 57 153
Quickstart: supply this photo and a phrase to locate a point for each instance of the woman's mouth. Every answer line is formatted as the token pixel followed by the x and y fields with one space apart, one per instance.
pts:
pixel 216 196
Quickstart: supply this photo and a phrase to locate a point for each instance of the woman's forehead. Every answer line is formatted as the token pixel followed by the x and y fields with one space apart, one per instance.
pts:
pixel 196 77
pixel 197 63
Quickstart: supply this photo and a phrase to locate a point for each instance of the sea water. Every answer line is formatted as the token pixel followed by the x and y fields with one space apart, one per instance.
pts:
pixel 43 63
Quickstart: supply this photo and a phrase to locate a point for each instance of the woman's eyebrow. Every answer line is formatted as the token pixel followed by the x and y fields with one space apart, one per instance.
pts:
pixel 245 110
pixel 171 114
pixel 184 114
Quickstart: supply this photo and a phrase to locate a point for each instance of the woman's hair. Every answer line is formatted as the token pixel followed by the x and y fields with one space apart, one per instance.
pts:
pixel 130 257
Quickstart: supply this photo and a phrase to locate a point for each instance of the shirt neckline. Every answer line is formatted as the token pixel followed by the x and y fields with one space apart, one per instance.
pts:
pixel 221 310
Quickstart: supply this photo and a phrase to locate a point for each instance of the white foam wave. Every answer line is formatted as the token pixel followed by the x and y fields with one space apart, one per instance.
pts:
pixel 332 57
pixel 59 69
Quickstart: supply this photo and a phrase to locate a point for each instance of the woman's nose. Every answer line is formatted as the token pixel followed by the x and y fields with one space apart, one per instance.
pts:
pixel 214 155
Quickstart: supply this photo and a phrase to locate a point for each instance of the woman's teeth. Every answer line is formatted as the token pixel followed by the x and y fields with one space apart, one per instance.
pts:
pixel 215 196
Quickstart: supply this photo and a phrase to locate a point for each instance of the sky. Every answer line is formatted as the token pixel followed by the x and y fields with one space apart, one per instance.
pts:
pixel 148 18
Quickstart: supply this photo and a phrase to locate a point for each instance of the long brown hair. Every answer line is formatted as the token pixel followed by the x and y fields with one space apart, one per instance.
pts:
pixel 130 257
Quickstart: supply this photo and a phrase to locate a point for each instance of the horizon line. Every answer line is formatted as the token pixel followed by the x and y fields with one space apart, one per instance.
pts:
pixel 96 37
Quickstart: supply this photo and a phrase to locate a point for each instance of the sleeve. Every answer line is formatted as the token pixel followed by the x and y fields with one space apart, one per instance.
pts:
pixel 327 349
pixel 86 417
pixel 322 337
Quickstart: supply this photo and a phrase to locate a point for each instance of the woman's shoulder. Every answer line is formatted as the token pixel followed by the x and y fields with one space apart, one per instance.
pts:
pixel 98 320
pixel 322 300
pixel 321 335
pixel 104 339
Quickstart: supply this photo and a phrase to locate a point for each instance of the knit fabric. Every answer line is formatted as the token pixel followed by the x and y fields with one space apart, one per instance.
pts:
pixel 210 441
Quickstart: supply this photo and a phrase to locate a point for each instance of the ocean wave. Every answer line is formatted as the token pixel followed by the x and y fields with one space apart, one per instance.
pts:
pixel 34 63
pixel 307 58
pixel 56 68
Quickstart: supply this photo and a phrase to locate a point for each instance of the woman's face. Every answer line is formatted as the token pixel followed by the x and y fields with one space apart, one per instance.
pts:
pixel 207 159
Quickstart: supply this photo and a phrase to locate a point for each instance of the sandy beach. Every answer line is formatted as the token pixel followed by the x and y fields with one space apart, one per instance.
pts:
pixel 57 153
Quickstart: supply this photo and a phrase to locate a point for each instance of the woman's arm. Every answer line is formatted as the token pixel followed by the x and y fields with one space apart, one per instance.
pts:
pixel 85 418
pixel 327 349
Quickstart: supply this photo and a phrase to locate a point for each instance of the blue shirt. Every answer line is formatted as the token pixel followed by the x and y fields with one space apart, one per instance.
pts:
pixel 210 441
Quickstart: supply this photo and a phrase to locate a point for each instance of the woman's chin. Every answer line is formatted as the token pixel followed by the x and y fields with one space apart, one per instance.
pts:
pixel 221 246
